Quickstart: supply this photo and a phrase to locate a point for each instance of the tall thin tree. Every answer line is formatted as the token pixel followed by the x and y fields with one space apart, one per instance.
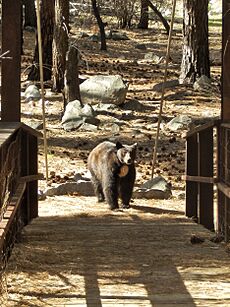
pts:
pixel 195 52
pixel 101 24
pixel 60 43
pixel 144 18
pixel 47 25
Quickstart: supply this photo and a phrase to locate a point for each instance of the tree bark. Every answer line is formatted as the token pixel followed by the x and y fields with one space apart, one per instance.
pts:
pixel 30 14
pixel 101 24
pixel 47 26
pixel 158 13
pixel 195 51
pixel 144 19
pixel 60 44
pixel 72 90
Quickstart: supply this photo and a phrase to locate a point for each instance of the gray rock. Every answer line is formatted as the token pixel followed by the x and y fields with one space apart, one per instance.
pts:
pixel 73 124
pixel 133 105
pixel 117 36
pixel 203 84
pixel 75 116
pixel 32 93
pixel 89 127
pixel 38 125
pixel 104 89
pixel 94 38
pixel 82 176
pixel 156 188
pixel 108 34
pixel 168 84
pixel 82 187
pixel 151 56
pixel 75 110
pixel 180 122
pixel 141 46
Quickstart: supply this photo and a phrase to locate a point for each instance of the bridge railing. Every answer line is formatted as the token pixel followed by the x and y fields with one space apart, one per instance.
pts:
pixel 18 181
pixel 208 176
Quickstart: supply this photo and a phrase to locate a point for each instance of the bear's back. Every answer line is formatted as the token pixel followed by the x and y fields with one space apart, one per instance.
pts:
pixel 102 157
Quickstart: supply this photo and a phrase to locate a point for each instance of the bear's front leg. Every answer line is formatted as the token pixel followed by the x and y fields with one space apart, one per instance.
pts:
pixel 126 187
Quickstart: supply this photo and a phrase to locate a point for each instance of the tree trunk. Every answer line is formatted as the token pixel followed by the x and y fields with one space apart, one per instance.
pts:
pixel 72 90
pixel 30 14
pixel 158 13
pixel 60 44
pixel 195 52
pixel 144 19
pixel 47 25
pixel 101 25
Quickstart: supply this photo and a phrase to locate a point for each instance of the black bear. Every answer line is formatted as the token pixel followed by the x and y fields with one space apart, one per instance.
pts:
pixel 113 172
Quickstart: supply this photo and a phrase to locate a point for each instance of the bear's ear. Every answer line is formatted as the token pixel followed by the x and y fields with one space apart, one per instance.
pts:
pixel 134 146
pixel 118 145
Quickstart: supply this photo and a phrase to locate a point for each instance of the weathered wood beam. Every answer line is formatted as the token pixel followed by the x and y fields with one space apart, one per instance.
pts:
pixel 225 107
pixel 11 68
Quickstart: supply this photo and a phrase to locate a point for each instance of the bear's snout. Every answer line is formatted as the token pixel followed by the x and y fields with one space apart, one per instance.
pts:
pixel 127 159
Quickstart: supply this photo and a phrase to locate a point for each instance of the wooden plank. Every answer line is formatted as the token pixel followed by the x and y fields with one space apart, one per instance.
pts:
pixel 31 131
pixel 227 220
pixel 200 179
pixel 6 222
pixel 6 131
pixel 225 125
pixel 32 191
pixel 206 169
pixel 225 88
pixel 224 189
pixel 31 178
pixel 191 170
pixel 10 127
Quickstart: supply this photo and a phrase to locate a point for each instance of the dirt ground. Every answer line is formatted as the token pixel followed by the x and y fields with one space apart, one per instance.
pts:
pixel 79 253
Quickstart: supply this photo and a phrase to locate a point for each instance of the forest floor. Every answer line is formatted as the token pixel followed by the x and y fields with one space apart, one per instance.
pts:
pixel 79 253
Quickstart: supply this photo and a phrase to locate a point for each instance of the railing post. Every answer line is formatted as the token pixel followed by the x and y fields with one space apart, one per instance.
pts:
pixel 191 170
pixel 205 169
pixel 32 192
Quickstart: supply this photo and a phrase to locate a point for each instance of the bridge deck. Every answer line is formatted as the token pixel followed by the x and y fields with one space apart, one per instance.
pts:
pixel 76 255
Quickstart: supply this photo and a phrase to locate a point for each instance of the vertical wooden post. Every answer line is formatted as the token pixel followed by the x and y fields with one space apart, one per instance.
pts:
pixel 11 68
pixel 225 108
pixel 191 170
pixel 32 169
pixel 206 170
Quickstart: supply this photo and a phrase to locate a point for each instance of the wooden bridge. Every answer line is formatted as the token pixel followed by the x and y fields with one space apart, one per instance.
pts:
pixel 79 253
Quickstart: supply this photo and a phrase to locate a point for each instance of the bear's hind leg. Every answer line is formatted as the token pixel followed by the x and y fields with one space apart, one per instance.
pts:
pixel 98 189
pixel 111 193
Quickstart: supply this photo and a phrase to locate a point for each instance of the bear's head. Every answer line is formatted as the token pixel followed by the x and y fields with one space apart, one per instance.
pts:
pixel 126 153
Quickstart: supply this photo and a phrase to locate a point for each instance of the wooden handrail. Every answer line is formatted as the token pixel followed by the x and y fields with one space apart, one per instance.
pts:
pixel 200 179
pixel 224 189
pixel 31 178
pixel 211 124
pixel 8 128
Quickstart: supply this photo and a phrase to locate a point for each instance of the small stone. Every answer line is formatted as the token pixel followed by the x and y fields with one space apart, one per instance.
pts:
pixel 196 240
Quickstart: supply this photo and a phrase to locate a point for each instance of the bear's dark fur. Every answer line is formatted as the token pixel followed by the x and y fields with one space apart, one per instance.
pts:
pixel 113 172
